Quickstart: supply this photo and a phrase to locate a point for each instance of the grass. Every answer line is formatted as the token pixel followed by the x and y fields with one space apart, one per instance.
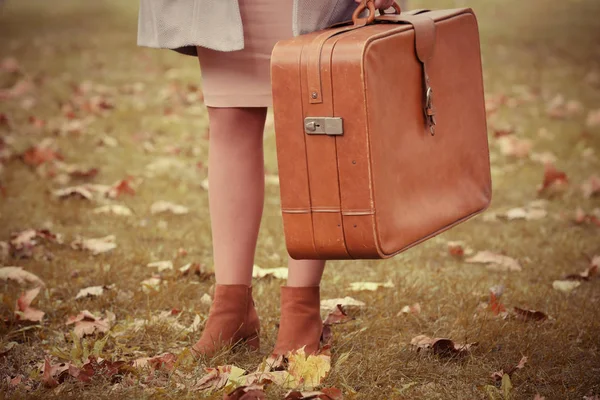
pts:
pixel 539 46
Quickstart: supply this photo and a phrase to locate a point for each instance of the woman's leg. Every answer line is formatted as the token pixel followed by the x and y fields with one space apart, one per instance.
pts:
pixel 236 189
pixel 236 196
pixel 305 272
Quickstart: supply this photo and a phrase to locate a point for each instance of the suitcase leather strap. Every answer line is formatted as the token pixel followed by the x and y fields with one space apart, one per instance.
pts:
pixel 424 44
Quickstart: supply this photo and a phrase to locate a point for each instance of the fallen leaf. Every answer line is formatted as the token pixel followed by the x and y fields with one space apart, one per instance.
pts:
pixel 581 217
pixel 115 209
pixel 279 273
pixel 309 370
pixel 37 155
pixel 495 262
pixel 565 286
pixel 515 147
pixel 219 377
pixel 458 248
pixel 591 187
pixel 161 265
pixel 23 243
pixel 331 304
pixel 165 206
pixel 51 371
pixel 545 157
pixel 197 269
pixel 23 309
pixel 372 286
pixel 495 306
pixel 251 392
pixel 206 299
pixel 413 309
pixel 506 386
pixel 526 213
pixel 164 361
pixel 96 246
pixel 87 323
pixel 92 291
pixel 586 274
pixel 323 394
pixel 552 177
pixel 19 275
pixel 151 284
pixel 124 186
pixel 337 316
pixel 529 315
pixel 441 346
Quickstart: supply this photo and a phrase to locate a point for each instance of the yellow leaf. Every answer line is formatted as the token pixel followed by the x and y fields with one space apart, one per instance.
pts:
pixel 308 370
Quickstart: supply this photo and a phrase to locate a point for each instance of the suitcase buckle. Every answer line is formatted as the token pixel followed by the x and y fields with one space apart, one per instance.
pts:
pixel 323 126
pixel 430 110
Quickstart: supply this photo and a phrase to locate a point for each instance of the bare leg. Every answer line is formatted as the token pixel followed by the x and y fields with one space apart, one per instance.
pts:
pixel 305 272
pixel 236 189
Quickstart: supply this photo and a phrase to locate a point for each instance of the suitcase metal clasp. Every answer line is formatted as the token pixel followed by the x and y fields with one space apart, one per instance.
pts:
pixel 323 126
pixel 430 110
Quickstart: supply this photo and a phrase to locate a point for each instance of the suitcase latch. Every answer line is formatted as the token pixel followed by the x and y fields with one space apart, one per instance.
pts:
pixel 323 126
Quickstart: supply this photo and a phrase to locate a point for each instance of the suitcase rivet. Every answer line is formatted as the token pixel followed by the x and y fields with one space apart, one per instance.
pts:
pixel 355 226
pixel 353 161
pixel 314 95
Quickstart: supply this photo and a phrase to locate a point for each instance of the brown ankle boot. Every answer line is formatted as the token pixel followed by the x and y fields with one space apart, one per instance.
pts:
pixel 300 323
pixel 232 318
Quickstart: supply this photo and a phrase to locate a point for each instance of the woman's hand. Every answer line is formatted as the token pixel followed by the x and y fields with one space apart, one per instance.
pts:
pixel 380 4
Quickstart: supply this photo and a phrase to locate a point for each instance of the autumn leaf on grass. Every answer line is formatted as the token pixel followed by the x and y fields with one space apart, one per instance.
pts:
pixel 495 262
pixel 22 243
pixel 553 178
pixel 441 346
pixel 87 323
pixel 495 306
pixel 529 315
pixel 124 186
pixel 588 273
pixel 92 291
pixel 323 394
pixel 52 375
pixel 497 376
pixel 515 147
pixel 581 216
pixel 337 316
pixel 565 286
pixel 410 309
pixel 196 269
pixel 165 206
pixel 86 191
pixel 19 275
pixel 331 304
pixel 458 248
pixel 115 209
pixel 544 157
pixel 161 265
pixel 250 392
pixel 372 286
pixel 279 273
pixel 164 361
pixel 528 213
pixel 23 309
pixel 38 155
pixel 219 377
pixel 151 284
pixel 309 370
pixel 559 108
pixel 591 187
pixel 96 246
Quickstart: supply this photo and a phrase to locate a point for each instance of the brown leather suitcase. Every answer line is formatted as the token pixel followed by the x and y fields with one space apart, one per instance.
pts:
pixel 380 131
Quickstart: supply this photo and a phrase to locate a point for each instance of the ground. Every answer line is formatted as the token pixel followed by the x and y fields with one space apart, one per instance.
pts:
pixel 74 83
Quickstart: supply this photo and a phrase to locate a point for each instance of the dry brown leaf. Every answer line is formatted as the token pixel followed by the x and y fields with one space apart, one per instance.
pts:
pixel 527 213
pixel 165 206
pixel 217 378
pixel 123 186
pixel 23 309
pixel 586 274
pixel 250 392
pixel 458 248
pixel 87 323
pixel 591 187
pixel 553 178
pixel 581 217
pixel 22 243
pixel 412 309
pixel 529 315
pixel 565 286
pixel 19 275
pixel 441 346
pixel 38 155
pixel 96 246
pixel 515 147
pixel 337 316
pixel 497 376
pixel 323 394
pixel 164 361
pixel 92 291
pixel 495 262
pixel 161 265
pixel 331 304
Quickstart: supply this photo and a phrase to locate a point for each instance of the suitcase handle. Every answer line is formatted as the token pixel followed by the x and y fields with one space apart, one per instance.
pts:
pixel 369 4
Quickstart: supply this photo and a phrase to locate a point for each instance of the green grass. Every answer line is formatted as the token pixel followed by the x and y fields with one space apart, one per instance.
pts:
pixel 546 47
